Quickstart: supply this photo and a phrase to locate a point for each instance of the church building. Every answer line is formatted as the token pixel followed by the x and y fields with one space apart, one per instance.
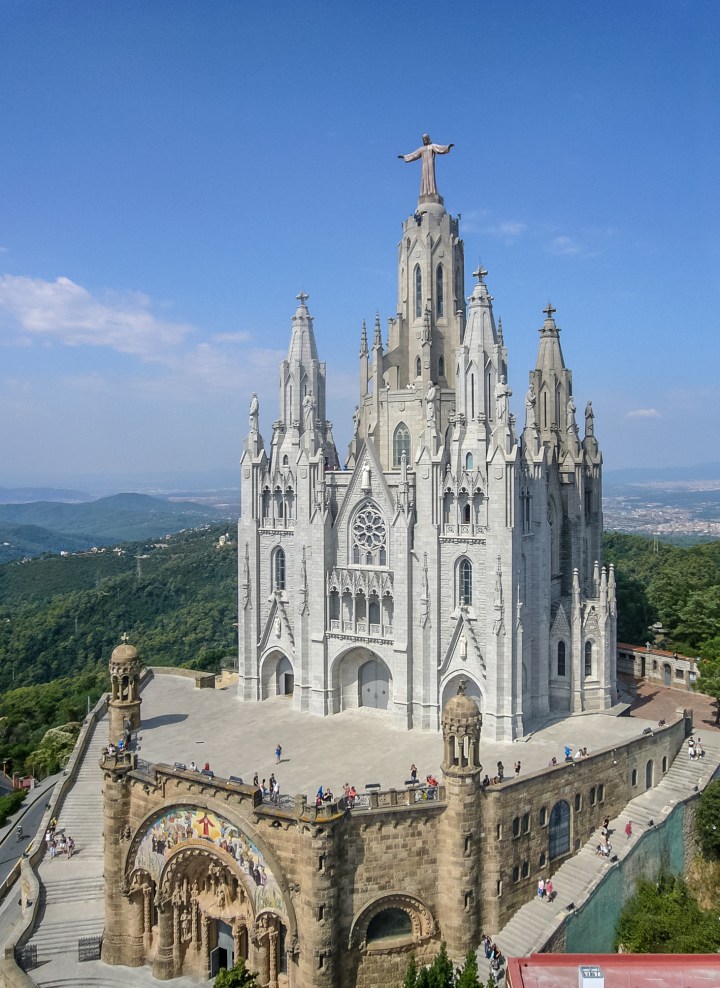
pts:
pixel 457 543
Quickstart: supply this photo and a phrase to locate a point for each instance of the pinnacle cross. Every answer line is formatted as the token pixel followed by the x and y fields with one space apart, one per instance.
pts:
pixel 124 637
pixel 479 273
pixel 302 297
pixel 549 310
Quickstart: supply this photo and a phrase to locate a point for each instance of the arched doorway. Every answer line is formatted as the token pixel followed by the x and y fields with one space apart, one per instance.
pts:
pixel 559 830
pixel 374 684
pixel 649 774
pixel 284 677
pixel 471 689
pixel 667 675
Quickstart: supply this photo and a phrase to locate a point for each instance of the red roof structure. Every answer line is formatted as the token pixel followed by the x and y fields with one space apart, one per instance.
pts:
pixel 614 971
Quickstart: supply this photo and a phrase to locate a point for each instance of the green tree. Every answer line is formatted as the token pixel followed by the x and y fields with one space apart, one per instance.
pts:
pixel 707 821
pixel 468 976
pixel 664 917
pixel 236 977
pixel 441 970
pixel 411 975
pixel 709 681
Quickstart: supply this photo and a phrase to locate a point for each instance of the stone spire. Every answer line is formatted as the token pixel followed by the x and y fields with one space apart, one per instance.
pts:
pixel 552 384
pixel 302 374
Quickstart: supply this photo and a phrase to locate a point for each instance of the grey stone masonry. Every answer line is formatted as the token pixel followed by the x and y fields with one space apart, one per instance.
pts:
pixel 459 542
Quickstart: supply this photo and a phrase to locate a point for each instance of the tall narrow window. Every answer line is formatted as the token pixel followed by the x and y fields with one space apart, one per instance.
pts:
pixel 441 367
pixel 418 292
pixel 279 575
pixel 472 396
pixel 561 659
pixel 418 367
pixel 401 444
pixel 465 573
pixel 588 658
pixel 469 461
pixel 439 297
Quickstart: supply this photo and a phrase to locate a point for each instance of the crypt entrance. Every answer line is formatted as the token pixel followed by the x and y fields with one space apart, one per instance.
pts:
pixel 203 895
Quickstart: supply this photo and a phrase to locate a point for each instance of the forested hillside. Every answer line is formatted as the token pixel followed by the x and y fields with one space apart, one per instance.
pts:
pixel 680 587
pixel 28 529
pixel 177 602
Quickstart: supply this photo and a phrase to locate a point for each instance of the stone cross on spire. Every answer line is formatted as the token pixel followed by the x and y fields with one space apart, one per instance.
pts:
pixel 302 298
pixel 549 310
pixel 479 273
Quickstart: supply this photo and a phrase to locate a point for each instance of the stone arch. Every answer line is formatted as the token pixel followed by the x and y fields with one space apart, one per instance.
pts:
pixel 473 689
pixel 273 665
pixel 213 880
pixel 359 676
pixel 423 925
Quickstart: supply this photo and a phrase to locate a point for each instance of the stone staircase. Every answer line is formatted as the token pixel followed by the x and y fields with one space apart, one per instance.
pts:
pixel 71 891
pixel 532 926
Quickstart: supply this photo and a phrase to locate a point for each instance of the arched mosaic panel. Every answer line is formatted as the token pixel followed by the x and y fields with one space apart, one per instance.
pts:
pixel 195 826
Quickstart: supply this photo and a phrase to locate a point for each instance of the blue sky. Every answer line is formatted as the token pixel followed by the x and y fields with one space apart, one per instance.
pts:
pixel 173 174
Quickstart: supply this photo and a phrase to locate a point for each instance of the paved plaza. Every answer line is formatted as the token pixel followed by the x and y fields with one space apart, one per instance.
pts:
pixel 181 723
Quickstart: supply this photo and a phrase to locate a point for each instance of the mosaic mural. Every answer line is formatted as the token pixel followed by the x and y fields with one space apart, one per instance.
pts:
pixel 189 826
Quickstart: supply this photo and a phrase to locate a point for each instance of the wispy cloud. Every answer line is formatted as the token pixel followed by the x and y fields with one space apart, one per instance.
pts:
pixel 564 245
pixel 63 312
pixel 239 337
pixel 643 413
pixel 506 230
pixel 4 250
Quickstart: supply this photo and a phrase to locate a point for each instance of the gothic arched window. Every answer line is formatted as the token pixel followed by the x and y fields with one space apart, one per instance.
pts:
pixel 469 461
pixel 401 444
pixel 588 658
pixel 439 296
pixel 465 582
pixel 418 292
pixel 369 537
pixel 418 367
pixel 441 367
pixel 561 659
pixel 279 570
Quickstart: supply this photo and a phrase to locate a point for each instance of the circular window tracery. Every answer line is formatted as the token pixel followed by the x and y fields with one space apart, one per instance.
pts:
pixel 369 529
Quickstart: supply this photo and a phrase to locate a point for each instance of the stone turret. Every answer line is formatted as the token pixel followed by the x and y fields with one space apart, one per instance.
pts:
pixel 125 700
pixel 459 910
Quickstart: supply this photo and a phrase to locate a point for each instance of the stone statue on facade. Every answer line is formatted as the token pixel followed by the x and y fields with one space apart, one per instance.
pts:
pixel 589 420
pixel 502 394
pixel 530 399
pixel 571 409
pixel 309 411
pixel 431 404
pixel 254 413
pixel 427 153
pixel 356 420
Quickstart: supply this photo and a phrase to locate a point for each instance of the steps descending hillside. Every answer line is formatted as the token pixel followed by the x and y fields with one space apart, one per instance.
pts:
pixel 72 894
pixel 533 925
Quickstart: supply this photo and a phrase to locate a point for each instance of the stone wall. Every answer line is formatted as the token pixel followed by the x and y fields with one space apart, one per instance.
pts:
pixel 342 877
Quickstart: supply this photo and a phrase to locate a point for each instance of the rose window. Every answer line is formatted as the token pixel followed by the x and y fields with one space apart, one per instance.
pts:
pixel 369 538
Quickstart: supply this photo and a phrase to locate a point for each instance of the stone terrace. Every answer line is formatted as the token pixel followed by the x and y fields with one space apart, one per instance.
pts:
pixel 181 724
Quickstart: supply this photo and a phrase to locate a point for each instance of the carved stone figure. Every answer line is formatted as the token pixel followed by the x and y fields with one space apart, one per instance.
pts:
pixel 571 408
pixel 309 410
pixel 356 420
pixel 502 394
pixel 530 399
pixel 427 153
pixel 254 413
pixel 431 404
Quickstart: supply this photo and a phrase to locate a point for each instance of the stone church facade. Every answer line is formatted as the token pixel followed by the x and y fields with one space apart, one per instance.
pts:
pixel 458 543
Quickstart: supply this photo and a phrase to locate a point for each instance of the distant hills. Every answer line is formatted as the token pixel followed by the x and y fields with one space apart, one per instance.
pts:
pixel 23 495
pixel 33 528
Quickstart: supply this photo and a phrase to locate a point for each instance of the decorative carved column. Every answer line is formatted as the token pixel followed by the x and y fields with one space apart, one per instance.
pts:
pixel 147 916
pixel 163 965
pixel 205 944
pixel 273 947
